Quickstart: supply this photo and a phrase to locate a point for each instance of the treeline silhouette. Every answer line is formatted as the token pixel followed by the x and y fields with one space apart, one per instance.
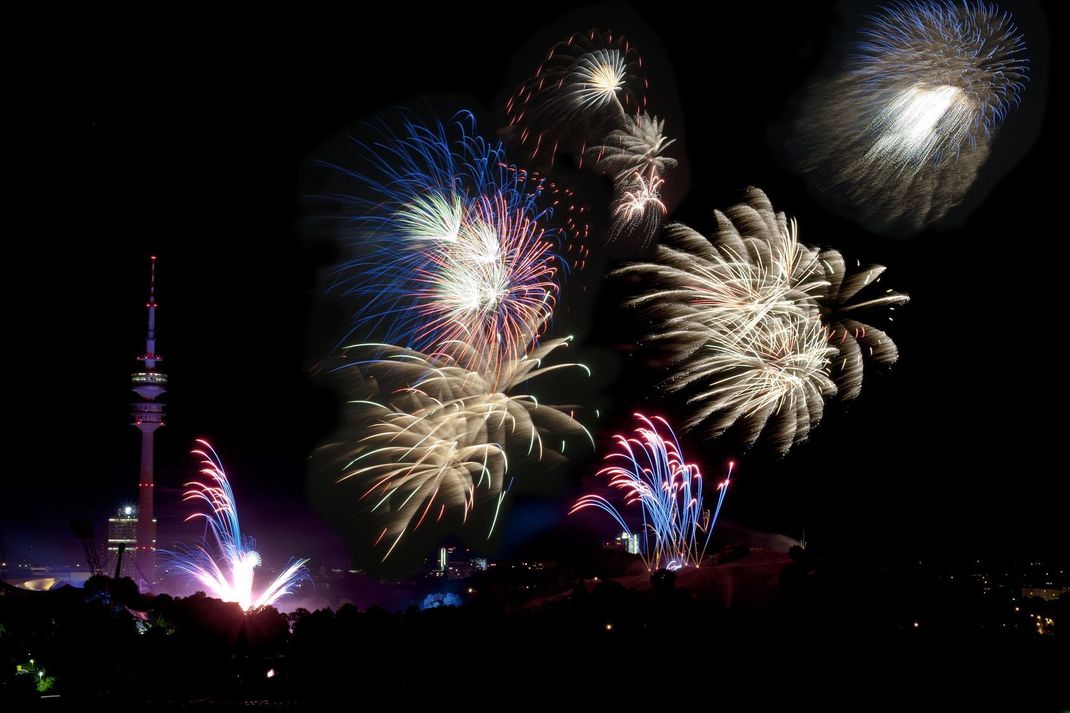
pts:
pixel 107 641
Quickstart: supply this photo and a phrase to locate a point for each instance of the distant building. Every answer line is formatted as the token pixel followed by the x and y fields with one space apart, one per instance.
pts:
pixel 465 568
pixel 42 578
pixel 451 565
pixel 122 530
pixel 1048 594
pixel 624 542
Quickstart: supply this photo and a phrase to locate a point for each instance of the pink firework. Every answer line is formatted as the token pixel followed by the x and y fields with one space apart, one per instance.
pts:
pixel 649 470
pixel 225 563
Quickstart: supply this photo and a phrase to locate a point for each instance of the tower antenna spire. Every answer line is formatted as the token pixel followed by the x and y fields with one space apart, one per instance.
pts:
pixel 150 357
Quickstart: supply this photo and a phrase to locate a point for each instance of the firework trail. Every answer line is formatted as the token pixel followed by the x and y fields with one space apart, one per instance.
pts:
pixel 638 147
pixel 635 158
pixel 225 564
pixel 450 243
pixel 760 329
pixel 586 86
pixel 416 459
pixel 434 437
pixel 590 89
pixel 649 469
pixel 897 138
pixel 637 211
pixel 773 378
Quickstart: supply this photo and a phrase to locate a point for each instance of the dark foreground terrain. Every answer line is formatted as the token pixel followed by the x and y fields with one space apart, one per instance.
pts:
pixel 751 626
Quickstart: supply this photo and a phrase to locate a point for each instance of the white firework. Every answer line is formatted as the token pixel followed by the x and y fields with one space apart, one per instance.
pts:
pixel 897 137
pixel 431 217
pixel 432 437
pixel 587 85
pixel 774 378
pixel 637 147
pixel 637 211
pixel 416 458
pixel 596 79
pixel 917 128
pixel 760 328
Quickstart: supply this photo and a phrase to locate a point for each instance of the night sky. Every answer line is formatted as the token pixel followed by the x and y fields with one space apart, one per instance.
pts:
pixel 186 139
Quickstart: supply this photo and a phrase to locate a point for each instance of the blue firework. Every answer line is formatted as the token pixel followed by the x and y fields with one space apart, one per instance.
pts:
pixel 897 137
pixel 972 47
pixel 649 469
pixel 448 244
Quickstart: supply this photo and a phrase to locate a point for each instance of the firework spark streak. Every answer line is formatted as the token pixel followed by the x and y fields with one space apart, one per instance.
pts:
pixel 590 89
pixel 760 328
pixel 493 285
pixel 637 211
pixel 450 243
pixel 898 137
pixel 638 147
pixel 649 469
pixel 225 565
pixel 586 85
pixel 419 456
pixel 439 437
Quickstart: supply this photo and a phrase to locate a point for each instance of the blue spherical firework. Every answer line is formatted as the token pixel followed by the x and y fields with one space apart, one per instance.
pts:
pixel 940 76
pixel 898 136
pixel 448 244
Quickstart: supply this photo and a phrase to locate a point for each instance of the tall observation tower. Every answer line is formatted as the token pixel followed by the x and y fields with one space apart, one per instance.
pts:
pixel 149 384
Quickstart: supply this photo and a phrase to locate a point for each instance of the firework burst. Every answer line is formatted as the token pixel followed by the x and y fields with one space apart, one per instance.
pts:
pixel 899 136
pixel 855 341
pixel 638 147
pixel 450 243
pixel 637 211
pixel 438 437
pixel 649 470
pixel 760 328
pixel 417 458
pixel 225 564
pixel 493 286
pixel 588 99
pixel 586 86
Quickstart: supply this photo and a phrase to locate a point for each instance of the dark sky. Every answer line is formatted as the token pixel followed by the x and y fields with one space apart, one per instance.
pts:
pixel 186 139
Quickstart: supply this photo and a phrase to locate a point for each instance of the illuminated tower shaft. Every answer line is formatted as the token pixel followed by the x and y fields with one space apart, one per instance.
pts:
pixel 148 416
